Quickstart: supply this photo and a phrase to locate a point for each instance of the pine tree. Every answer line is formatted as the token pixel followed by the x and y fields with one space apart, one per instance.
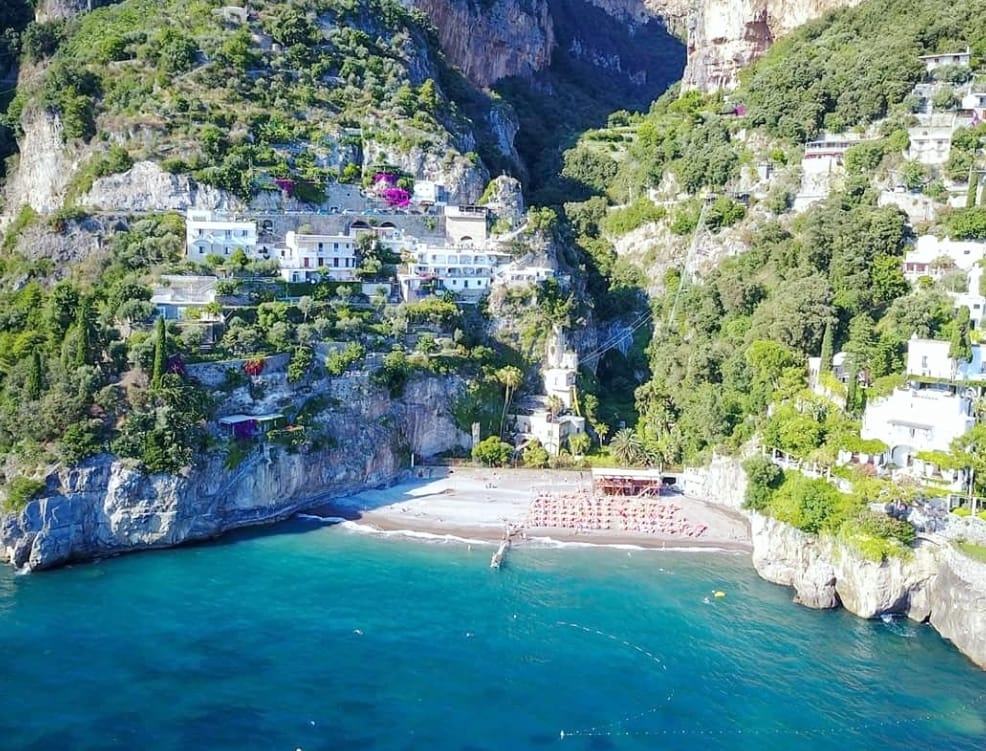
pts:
pixel 826 364
pixel 34 378
pixel 160 350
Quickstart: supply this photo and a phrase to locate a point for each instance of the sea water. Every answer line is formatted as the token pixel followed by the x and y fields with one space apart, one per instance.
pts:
pixel 313 637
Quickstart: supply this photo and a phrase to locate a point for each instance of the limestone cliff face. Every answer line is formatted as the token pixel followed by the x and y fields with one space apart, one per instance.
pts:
pixel 147 187
pixel 726 35
pixel 106 506
pixel 490 41
pixel 936 584
pixel 44 167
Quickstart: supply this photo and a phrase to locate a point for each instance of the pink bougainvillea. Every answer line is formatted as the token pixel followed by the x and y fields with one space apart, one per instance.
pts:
pixel 396 197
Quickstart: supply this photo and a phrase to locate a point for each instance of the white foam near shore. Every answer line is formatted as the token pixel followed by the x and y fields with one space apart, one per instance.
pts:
pixel 369 529
pixel 323 519
pixel 463 502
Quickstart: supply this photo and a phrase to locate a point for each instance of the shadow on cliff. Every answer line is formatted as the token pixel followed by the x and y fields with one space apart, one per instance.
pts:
pixel 601 64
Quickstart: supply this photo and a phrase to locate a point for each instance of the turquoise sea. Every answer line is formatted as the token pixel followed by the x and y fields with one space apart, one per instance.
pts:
pixel 317 637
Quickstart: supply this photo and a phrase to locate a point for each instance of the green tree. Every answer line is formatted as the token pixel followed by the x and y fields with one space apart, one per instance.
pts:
pixel 578 444
pixel 827 346
pixel 493 451
pixel 970 198
pixel 84 331
pixel 160 352
pixel 35 377
pixel 626 447
pixel 511 379
pixel 959 347
pixel 535 455
pixel 763 478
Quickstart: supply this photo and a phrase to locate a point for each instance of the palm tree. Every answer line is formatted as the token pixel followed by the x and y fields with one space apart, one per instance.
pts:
pixel 626 447
pixel 510 378
pixel 602 430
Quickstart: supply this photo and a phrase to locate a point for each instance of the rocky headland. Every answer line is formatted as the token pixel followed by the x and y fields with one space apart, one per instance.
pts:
pixel 107 506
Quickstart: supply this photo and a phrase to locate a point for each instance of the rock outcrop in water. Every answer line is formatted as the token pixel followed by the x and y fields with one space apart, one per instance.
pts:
pixel 937 584
pixel 106 506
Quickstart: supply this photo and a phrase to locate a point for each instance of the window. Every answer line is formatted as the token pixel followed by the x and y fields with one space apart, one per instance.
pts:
pixel 924 361
pixel 321 261
pixel 335 246
pixel 335 262
pixel 305 263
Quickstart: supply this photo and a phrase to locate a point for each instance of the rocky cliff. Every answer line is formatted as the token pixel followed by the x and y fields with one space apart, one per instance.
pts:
pixel 107 506
pixel 936 584
pixel 726 35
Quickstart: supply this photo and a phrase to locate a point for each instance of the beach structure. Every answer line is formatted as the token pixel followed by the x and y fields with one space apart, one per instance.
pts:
pixel 610 481
pixel 209 233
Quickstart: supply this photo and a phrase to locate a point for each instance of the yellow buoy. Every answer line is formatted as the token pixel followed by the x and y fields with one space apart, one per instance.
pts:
pixel 719 593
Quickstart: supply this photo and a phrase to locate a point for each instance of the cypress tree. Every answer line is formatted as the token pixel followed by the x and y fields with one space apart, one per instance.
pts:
pixel 959 347
pixel 160 345
pixel 826 365
pixel 83 346
pixel 982 197
pixel 852 389
pixel 34 377
pixel 970 198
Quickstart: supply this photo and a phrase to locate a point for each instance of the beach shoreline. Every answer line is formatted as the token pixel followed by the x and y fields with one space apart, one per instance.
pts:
pixel 475 504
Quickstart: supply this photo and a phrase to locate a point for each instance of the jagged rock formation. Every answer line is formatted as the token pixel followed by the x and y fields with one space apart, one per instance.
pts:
pixel 44 166
pixel 936 584
pixel 505 199
pixel 106 506
pixel 490 41
pixel 517 37
pixel 726 35
pixel 147 187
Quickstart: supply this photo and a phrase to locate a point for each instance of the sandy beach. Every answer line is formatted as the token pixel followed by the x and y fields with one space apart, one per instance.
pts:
pixel 481 504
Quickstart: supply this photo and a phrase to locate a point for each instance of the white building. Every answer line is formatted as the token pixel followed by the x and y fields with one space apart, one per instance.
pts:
pixel 552 432
pixel 945 58
pixel 931 138
pixel 821 164
pixel 932 257
pixel 561 369
pixel 209 234
pixel 914 420
pixel 463 270
pixel 312 257
pixel 514 274
pixel 974 101
pixel 466 225
pixel 928 359
pixel 175 295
